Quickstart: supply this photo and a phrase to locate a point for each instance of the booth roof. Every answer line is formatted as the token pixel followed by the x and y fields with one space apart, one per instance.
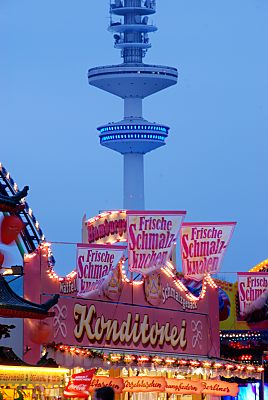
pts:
pixel 14 306
pixel 8 357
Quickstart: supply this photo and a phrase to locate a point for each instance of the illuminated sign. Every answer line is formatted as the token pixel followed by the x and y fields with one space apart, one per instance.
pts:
pixel 108 227
pixel 151 237
pixel 34 375
pixel 253 295
pixel 131 330
pixel 94 264
pixel 203 246
pixel 94 323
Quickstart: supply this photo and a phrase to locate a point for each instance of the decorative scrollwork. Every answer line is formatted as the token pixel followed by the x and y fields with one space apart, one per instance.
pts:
pixel 60 316
pixel 197 333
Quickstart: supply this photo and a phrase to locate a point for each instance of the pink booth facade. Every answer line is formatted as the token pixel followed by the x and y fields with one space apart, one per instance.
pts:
pixel 151 328
pixel 153 316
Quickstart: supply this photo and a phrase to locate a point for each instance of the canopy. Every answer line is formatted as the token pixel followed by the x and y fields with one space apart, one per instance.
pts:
pixel 14 306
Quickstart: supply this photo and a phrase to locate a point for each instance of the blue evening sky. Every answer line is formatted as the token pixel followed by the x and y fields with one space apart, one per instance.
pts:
pixel 215 162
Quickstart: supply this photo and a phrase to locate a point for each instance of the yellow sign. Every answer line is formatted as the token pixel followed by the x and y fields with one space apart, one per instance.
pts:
pixel 26 375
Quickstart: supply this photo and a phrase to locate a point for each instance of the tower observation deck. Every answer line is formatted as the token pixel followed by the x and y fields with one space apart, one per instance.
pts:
pixel 132 80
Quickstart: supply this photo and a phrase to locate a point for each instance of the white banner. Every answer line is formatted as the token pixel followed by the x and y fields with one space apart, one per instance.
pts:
pixel 151 236
pixel 94 263
pixel 253 295
pixel 203 245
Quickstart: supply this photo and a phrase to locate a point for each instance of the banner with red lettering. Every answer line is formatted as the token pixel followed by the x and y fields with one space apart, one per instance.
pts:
pixel 79 384
pixel 100 381
pixel 148 384
pixel 203 245
pixel 183 386
pixel 151 237
pixel 253 296
pixel 144 384
pixel 220 388
pixel 94 264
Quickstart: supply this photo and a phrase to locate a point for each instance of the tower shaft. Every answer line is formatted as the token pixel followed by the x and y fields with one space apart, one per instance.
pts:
pixel 132 108
pixel 133 181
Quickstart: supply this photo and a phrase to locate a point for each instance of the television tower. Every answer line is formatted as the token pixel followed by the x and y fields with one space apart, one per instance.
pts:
pixel 132 80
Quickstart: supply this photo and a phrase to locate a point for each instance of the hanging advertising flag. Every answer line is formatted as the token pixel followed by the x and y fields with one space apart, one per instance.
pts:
pixel 203 245
pixel 253 296
pixel 151 236
pixel 94 264
pixel 79 384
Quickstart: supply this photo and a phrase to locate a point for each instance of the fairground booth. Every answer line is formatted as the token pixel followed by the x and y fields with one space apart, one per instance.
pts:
pixel 126 319
pixel 19 380
pixel 244 331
